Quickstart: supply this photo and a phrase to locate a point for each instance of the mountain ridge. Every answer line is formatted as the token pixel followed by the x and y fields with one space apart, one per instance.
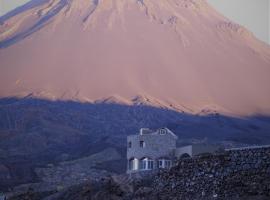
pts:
pixel 175 52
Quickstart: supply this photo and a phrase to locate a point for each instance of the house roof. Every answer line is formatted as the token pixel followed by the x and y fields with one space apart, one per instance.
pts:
pixel 160 131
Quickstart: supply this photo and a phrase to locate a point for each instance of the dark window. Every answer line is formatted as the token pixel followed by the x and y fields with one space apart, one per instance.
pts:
pixel 150 164
pixel 143 164
pixel 142 144
pixel 129 144
pixel 162 131
pixel 168 163
pixel 160 163
pixel 163 163
pixel 146 164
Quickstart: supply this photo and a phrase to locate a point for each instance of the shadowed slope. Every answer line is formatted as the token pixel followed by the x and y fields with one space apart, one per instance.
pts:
pixel 41 22
pixel 29 5
pixel 36 132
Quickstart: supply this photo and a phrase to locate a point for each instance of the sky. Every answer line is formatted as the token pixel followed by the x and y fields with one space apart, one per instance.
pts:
pixel 253 14
pixel 7 5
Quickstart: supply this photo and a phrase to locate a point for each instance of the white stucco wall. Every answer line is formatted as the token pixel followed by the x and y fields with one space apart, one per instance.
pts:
pixel 183 150
pixel 196 149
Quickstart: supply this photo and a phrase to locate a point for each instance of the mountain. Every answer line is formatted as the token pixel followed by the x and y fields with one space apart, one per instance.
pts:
pixel 177 54
pixel 78 76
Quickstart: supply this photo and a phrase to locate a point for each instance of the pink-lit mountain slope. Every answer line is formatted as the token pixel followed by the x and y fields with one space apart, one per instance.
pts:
pixel 180 54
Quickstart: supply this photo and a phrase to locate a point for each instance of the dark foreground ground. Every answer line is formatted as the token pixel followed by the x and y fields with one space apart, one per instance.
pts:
pixel 237 175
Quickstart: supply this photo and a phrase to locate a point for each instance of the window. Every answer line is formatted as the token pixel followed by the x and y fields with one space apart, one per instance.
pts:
pixel 150 164
pixel 160 163
pixel 168 163
pixel 142 144
pixel 129 144
pixel 146 164
pixel 133 164
pixel 143 164
pixel 163 163
pixel 162 131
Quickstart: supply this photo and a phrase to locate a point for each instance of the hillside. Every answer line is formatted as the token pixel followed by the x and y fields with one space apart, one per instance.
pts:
pixel 179 54
pixel 50 135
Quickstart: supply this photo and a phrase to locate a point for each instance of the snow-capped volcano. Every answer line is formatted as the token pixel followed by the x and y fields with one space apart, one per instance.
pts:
pixel 180 54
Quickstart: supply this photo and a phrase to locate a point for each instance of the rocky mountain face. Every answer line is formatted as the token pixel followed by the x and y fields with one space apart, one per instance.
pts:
pixel 180 54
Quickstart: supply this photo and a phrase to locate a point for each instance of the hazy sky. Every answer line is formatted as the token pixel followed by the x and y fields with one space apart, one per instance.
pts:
pixel 7 5
pixel 253 14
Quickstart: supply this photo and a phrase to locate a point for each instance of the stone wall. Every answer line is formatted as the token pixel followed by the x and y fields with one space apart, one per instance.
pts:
pixel 234 174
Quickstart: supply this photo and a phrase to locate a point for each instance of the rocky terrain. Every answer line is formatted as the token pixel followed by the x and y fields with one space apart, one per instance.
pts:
pixel 42 141
pixel 236 174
